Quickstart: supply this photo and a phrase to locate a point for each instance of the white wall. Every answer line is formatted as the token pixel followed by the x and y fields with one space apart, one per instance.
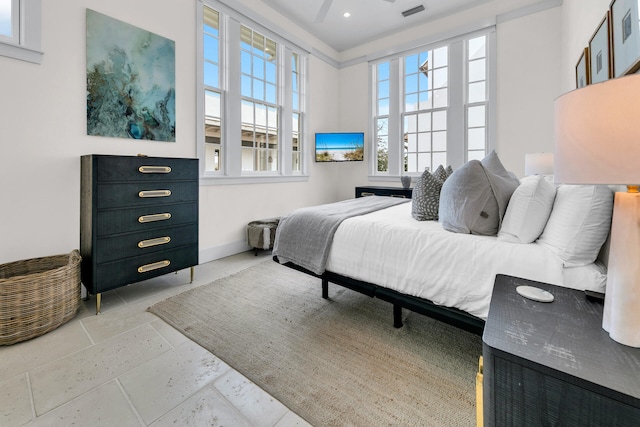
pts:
pixel 43 115
pixel 43 134
pixel 528 77
pixel 529 62
pixel 580 18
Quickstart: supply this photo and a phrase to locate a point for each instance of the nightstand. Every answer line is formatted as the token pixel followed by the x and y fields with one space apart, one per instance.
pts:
pixel 553 364
pixel 384 191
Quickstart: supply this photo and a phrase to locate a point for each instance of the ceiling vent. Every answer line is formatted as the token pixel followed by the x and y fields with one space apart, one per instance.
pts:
pixel 412 11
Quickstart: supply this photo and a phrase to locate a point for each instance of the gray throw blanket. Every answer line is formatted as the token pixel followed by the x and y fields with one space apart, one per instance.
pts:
pixel 304 236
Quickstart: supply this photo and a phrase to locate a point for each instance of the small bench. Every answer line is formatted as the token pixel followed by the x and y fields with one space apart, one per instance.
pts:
pixel 262 233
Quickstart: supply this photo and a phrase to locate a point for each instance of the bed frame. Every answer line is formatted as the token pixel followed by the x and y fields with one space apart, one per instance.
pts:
pixel 450 315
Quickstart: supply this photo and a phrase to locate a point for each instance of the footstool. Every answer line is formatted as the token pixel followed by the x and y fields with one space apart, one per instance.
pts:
pixel 262 233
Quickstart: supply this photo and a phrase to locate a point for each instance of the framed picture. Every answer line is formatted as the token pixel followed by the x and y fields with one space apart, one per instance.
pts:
pixel 582 69
pixel 625 36
pixel 600 52
pixel 131 81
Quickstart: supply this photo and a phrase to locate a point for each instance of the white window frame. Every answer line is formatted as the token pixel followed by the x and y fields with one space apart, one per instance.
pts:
pixel 25 43
pixel 231 21
pixel 457 106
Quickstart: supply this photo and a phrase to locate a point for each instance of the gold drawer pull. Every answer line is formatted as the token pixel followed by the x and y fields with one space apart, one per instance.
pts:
pixel 366 193
pixel 154 193
pixel 154 217
pixel 154 242
pixel 401 196
pixel 153 266
pixel 154 169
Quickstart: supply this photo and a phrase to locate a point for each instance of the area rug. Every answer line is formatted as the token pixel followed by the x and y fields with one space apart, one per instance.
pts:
pixel 335 362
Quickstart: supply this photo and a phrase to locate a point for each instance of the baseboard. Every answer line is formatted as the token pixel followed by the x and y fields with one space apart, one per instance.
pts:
pixel 216 252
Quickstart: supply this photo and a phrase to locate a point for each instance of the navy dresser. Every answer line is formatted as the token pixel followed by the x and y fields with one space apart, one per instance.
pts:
pixel 138 219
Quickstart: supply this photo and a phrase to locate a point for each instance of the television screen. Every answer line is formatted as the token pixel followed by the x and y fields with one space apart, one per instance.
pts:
pixel 339 147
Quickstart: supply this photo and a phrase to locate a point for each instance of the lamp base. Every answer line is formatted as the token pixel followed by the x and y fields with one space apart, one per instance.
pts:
pixel 622 300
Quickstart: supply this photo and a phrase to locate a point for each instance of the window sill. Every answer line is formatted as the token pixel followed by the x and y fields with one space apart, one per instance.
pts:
pixel 390 178
pixel 255 179
pixel 20 52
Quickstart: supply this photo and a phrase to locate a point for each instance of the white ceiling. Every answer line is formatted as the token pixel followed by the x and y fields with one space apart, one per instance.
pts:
pixel 369 20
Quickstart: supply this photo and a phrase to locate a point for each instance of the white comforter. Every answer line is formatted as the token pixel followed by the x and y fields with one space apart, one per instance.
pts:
pixel 420 258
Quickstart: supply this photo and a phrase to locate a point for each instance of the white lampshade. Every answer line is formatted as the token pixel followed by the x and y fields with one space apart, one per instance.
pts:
pixel 597 141
pixel 597 133
pixel 538 164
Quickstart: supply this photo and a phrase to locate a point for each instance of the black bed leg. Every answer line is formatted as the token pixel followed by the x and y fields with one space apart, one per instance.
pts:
pixel 325 288
pixel 397 316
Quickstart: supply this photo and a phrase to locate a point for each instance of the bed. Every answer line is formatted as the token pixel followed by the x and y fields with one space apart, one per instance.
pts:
pixel 421 266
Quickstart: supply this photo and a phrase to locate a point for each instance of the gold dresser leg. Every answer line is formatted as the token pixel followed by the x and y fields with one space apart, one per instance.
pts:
pixel 479 409
pixel 98 300
pixel 192 273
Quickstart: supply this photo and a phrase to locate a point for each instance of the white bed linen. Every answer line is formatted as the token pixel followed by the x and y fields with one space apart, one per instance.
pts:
pixel 419 258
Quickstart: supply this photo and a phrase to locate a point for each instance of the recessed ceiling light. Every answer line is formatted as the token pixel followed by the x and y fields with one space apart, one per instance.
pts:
pixel 346 14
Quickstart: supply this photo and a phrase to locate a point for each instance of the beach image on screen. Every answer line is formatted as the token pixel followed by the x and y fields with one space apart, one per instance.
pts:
pixel 339 147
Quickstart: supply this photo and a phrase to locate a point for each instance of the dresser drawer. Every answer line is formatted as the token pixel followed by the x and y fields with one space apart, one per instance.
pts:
pixel 112 275
pixel 119 168
pixel 145 194
pixel 145 218
pixel 130 245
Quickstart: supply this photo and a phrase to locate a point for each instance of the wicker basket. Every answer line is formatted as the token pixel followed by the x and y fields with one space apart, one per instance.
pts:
pixel 38 295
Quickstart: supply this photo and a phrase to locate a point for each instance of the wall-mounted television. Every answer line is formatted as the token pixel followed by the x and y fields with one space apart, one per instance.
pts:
pixel 339 146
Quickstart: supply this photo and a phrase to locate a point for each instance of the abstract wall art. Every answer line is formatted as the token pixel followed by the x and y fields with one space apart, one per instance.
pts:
pixel 130 81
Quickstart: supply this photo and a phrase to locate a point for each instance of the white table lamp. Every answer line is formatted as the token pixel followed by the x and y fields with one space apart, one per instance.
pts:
pixel 597 141
pixel 538 164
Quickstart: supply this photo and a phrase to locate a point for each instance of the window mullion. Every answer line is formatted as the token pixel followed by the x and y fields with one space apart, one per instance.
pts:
pixel 286 114
pixel 395 120
pixel 455 126
pixel 233 107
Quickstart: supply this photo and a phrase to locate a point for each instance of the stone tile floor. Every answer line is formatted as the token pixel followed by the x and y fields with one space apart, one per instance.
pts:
pixel 126 367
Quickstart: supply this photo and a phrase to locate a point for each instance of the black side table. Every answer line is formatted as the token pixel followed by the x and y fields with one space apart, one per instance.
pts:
pixel 552 364
pixel 384 191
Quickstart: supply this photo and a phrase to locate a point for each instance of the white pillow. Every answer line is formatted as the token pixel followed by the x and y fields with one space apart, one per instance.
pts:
pixel 528 210
pixel 579 223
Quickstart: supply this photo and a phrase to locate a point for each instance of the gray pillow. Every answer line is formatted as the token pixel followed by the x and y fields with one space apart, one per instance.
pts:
pixel 425 198
pixel 503 182
pixel 474 198
pixel 440 173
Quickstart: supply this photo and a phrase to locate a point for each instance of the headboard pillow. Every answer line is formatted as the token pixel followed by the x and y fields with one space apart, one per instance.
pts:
pixel 425 198
pixel 528 210
pixel 579 223
pixel 475 197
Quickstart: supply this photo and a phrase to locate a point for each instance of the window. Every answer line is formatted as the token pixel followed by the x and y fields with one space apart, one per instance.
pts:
pixel 431 106
pixel 20 29
pixel 212 93
pixel 253 112
pixel 258 82
pixel 476 97
pixel 9 19
pixel 296 124
pixel 426 100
